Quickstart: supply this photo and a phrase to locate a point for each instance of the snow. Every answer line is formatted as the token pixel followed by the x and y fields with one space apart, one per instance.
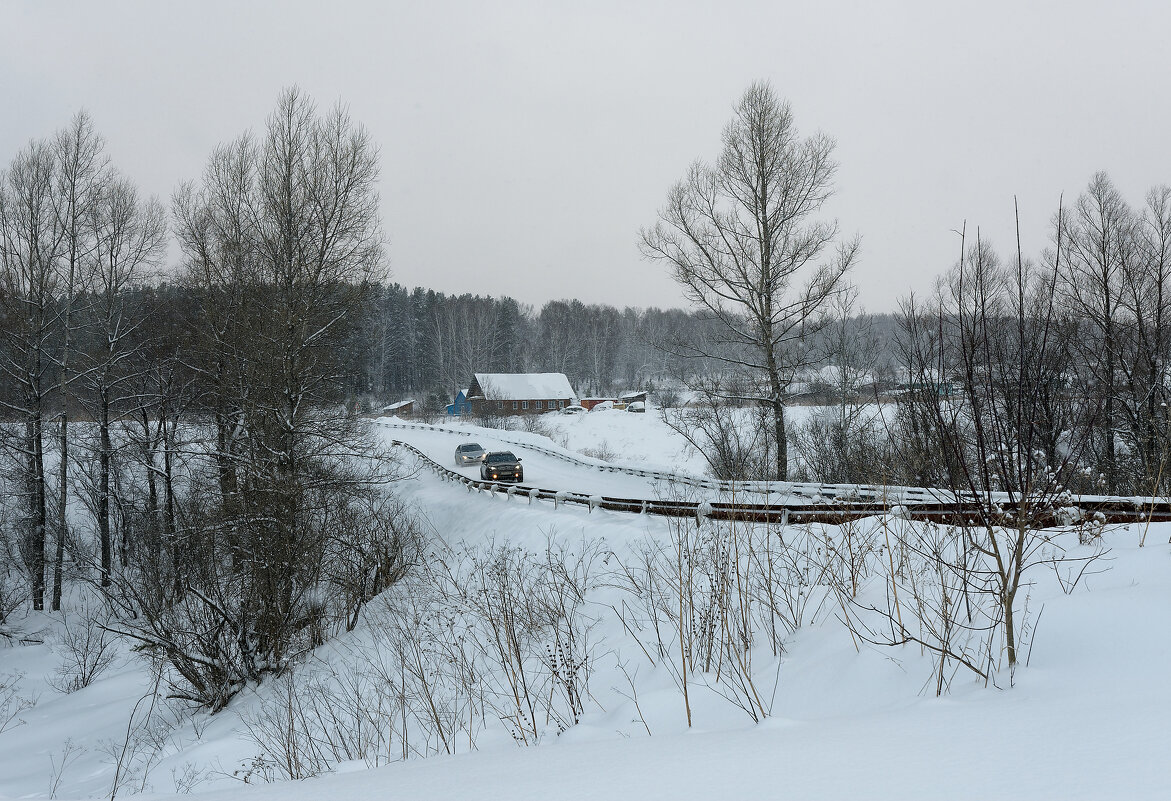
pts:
pixel 1086 719
pixel 1076 727
pixel 524 386
pixel 639 440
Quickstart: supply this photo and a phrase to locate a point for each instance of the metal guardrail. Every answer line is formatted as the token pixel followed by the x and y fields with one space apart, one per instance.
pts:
pixel 833 511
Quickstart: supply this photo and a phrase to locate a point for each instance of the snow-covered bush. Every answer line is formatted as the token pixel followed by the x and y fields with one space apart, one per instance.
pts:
pixel 524 618
pixel 489 637
pixel 716 592
pixel 732 435
pixel 85 647
pixel 942 587
pixel 238 607
pixel 13 595
pixel 841 444
pixel 12 702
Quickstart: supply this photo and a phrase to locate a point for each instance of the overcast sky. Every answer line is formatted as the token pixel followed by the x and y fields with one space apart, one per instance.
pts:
pixel 525 144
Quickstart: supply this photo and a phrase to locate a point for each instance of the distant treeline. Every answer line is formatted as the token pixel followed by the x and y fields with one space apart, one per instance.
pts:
pixel 430 343
pixel 419 342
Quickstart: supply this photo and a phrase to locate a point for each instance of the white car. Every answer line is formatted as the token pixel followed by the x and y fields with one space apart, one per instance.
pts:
pixel 469 453
pixel 573 408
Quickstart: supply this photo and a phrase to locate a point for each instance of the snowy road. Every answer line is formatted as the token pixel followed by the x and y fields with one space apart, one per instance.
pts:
pixel 572 473
pixel 549 466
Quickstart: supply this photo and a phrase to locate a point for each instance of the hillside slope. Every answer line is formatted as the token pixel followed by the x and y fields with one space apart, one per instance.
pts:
pixel 1087 718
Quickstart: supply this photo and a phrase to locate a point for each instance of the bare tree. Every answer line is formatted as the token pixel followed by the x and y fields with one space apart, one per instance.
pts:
pixel 1146 340
pixel 844 442
pixel 281 244
pixel 742 235
pixel 129 238
pixel 1002 337
pixel 31 242
pixel 601 339
pixel 1097 239
pixel 919 415
pixel 81 174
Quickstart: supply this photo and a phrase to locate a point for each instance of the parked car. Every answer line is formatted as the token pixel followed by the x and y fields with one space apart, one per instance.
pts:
pixel 469 453
pixel 573 408
pixel 502 466
pixel 637 406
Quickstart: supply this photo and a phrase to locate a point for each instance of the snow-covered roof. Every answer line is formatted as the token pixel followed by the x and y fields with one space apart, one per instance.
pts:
pixel 394 406
pixel 524 386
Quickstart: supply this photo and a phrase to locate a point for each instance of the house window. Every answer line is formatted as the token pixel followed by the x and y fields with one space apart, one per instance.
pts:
pixel 524 404
pixel 538 406
pixel 514 406
pixel 560 404
pixel 499 404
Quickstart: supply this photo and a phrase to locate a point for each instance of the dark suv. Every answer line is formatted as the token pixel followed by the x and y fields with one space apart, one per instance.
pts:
pixel 501 466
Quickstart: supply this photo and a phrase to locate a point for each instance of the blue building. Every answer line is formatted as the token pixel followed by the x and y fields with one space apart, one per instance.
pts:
pixel 461 405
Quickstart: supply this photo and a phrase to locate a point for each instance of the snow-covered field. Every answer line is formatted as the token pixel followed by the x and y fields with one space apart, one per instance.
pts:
pixel 1087 718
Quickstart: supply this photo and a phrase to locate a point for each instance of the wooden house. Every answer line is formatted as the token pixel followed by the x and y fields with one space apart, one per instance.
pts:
pixel 519 393
pixel 404 408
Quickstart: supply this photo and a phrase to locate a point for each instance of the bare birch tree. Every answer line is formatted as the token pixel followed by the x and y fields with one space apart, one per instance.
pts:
pixel 81 174
pixel 1146 298
pixel 129 237
pixel 742 239
pixel 281 244
pixel 31 240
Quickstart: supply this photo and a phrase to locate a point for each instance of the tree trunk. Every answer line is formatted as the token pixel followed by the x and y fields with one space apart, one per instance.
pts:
pixel 782 465
pixel 1009 627
pixel 63 500
pixel 1111 463
pixel 170 535
pixel 104 451
pixel 777 405
pixel 39 514
pixel 148 458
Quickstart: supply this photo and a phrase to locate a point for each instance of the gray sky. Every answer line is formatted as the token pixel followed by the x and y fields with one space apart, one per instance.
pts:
pixel 525 144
